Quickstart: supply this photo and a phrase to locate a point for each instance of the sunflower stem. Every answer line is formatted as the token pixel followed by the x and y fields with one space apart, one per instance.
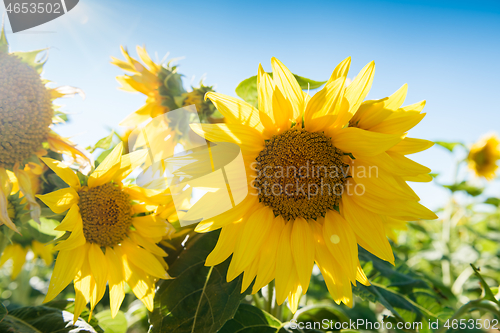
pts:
pixel 270 293
pixel 257 302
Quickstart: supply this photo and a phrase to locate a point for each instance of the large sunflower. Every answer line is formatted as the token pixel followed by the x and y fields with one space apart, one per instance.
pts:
pixel 113 233
pixel 26 114
pixel 325 174
pixel 484 155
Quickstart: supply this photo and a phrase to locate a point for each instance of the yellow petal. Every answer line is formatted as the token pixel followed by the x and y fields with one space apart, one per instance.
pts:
pixel 60 200
pixel 230 216
pixel 398 125
pixel 249 274
pixel 99 268
pixel 289 87
pixel 282 110
pixel 411 167
pixel 323 108
pixel 361 276
pixel 116 281
pixel 151 226
pixel 84 285
pixel 18 260
pixel 141 284
pixel 63 171
pixel 76 238
pixel 267 261
pixel 341 242
pixel 146 244
pixel 7 254
pixel 68 263
pixel 369 229
pixel 143 259
pixel 303 251
pixel 4 213
pixel 236 111
pixel 71 219
pixel 27 189
pixel 44 251
pixel 358 89
pixel 265 99
pixel 361 142
pixel 253 235
pixel 411 146
pixel 341 70
pixel 336 279
pixel 246 137
pixel 284 263
pixel 295 292
pixel 225 244
pixel 107 169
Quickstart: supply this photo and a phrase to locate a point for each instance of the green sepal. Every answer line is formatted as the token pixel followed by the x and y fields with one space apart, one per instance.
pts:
pixel 4 45
pixel 30 58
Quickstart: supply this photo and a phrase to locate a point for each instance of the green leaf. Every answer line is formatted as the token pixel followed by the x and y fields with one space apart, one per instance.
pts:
pixel 43 319
pixel 3 312
pixel 250 319
pixel 112 325
pixel 247 89
pixel 465 187
pixel 448 145
pixel 104 143
pixel 32 58
pixel 198 299
pixel 493 201
pixel 488 294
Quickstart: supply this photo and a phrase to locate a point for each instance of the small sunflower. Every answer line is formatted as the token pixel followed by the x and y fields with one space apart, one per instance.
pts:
pixel 161 85
pixel 113 230
pixel 26 114
pixel 484 155
pixel 17 251
pixel 311 198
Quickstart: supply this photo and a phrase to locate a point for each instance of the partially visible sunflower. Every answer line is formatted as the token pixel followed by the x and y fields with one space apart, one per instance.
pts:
pixel 113 230
pixel 17 251
pixel 160 83
pixel 484 155
pixel 278 231
pixel 26 114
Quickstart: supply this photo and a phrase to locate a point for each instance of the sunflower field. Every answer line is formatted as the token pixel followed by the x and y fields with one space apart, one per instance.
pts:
pixel 289 208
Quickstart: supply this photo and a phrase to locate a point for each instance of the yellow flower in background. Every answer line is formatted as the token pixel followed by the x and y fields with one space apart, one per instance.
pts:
pixel 161 85
pixel 17 252
pixel 26 114
pixel 113 233
pixel 484 155
pixel 279 231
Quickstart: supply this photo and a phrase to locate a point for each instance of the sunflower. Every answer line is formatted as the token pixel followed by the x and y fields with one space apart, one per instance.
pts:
pixel 483 156
pixel 17 251
pixel 161 84
pixel 324 174
pixel 113 230
pixel 26 114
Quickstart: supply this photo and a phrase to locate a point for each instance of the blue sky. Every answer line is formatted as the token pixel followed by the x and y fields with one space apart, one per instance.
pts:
pixel 447 52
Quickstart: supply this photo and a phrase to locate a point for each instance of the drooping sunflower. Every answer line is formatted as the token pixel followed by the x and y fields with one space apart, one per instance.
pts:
pixel 160 83
pixel 17 251
pixel 324 174
pixel 26 115
pixel 113 233
pixel 484 155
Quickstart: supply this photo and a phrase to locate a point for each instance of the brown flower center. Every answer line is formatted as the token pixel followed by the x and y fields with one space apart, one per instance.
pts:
pixel 106 214
pixel 300 174
pixel 25 111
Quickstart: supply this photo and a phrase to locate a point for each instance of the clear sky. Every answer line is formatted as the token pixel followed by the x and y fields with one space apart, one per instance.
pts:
pixel 447 51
